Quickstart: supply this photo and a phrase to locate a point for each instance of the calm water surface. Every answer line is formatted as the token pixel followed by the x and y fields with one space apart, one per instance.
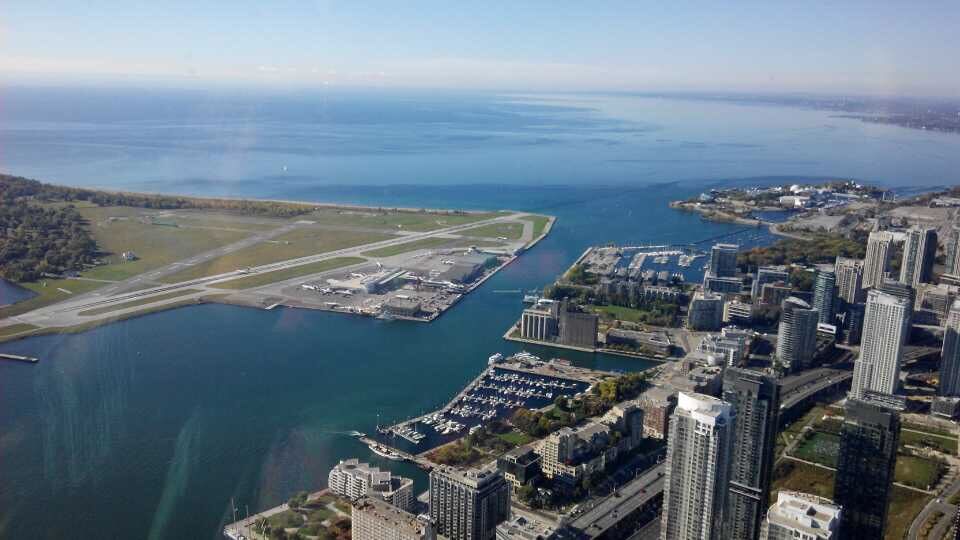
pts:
pixel 147 428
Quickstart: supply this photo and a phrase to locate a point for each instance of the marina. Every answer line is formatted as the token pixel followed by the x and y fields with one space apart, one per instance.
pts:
pixel 507 384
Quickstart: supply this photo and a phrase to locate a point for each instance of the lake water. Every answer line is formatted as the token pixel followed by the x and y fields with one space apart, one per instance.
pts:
pixel 147 428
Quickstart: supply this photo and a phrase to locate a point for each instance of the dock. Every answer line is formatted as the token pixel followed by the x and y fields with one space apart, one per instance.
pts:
pixel 19 358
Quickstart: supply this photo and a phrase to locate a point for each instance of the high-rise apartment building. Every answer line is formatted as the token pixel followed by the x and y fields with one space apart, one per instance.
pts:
pixel 796 335
pixel 373 519
pixel 919 251
pixel 849 277
pixel 865 467
pixel 723 260
pixel 877 260
pixel 884 327
pixel 951 246
pixel 705 311
pixel 468 504
pixel 755 399
pixel 824 293
pixel 697 473
pixel 801 516
pixel 950 354
pixel 767 274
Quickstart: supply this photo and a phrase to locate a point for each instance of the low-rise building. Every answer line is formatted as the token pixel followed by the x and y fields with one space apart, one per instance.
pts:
pixel 650 342
pixel 657 404
pixel 722 285
pixel 526 528
pixel 732 344
pixel 373 519
pixel 520 467
pixel 801 516
pixel 353 479
pixel 737 312
pixel 402 306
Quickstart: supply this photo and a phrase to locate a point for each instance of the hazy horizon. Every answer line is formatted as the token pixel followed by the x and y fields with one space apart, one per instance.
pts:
pixel 854 48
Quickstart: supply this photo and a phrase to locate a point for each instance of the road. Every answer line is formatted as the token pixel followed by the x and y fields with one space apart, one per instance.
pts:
pixel 634 494
pixel 67 313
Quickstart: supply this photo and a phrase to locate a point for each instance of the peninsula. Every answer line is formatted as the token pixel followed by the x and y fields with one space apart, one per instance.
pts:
pixel 92 257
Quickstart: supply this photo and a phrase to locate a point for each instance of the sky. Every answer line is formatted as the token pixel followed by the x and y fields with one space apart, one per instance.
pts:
pixel 848 47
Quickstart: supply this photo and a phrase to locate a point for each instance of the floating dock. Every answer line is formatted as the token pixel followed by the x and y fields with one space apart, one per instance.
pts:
pixel 19 358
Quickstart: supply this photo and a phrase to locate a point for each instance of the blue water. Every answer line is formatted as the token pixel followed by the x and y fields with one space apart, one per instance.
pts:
pixel 147 428
pixel 11 293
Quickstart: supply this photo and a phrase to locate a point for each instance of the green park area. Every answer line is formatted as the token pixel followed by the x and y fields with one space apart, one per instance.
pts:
pixel 655 313
pixel 391 219
pixel 539 224
pixel 290 245
pixel 510 230
pixel 323 518
pixel 155 241
pixel 266 278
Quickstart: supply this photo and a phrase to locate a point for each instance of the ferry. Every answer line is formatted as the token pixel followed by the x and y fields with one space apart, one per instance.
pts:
pixel 383 451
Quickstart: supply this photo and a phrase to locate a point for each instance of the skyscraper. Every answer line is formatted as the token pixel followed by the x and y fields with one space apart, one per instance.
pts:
pixel 903 291
pixel 755 399
pixel 950 354
pixel 877 260
pixel 824 292
pixel 796 335
pixel 723 260
pixel 884 325
pixel 951 246
pixel 849 276
pixel 698 454
pixel 865 466
pixel 919 250
pixel 468 504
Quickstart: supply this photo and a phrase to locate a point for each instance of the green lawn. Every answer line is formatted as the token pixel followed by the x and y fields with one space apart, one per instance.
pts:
pixel 48 291
pixel 424 243
pixel 291 245
pixel 917 471
pixel 515 438
pixel 391 220
pixel 943 443
pixel 17 328
pixel 928 429
pixel 820 448
pixel 539 224
pixel 903 507
pixel 288 519
pixel 511 230
pixel 265 278
pixel 138 302
pixel 119 229
pixel 792 475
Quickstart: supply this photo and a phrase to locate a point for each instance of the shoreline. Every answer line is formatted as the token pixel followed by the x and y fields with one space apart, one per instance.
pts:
pixel 235 299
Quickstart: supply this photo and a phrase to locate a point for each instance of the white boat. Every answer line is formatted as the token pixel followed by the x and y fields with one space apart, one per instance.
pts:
pixel 383 451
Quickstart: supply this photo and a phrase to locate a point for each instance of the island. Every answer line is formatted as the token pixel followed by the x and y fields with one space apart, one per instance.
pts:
pixel 91 257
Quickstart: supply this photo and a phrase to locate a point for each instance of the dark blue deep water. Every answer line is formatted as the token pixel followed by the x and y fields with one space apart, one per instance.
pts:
pixel 147 428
